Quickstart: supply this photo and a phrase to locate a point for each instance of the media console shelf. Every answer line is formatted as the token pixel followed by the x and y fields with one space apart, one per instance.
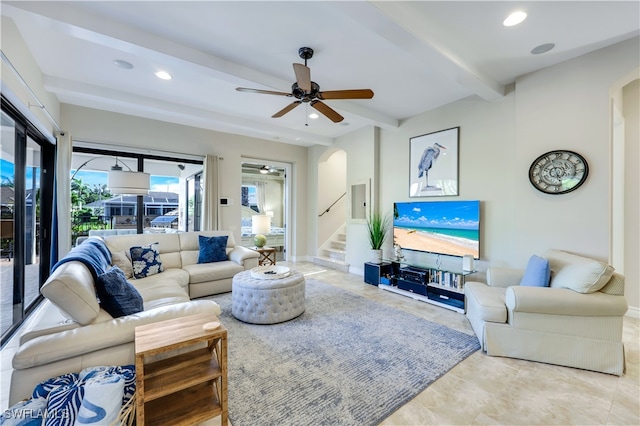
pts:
pixel 438 286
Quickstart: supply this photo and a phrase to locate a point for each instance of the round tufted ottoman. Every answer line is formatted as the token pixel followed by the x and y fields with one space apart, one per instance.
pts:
pixel 260 301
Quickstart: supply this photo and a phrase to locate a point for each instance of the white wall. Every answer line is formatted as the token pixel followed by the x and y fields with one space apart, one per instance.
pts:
pixel 106 128
pixel 362 148
pixel 485 170
pixel 15 49
pixel 631 109
pixel 332 183
pixel 568 107
pixel 561 107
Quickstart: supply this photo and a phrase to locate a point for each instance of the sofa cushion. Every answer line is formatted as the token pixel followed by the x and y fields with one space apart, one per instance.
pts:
pixel 70 288
pixel 537 273
pixel 162 293
pixel 117 296
pixel 201 273
pixel 146 260
pixel 577 273
pixel 122 259
pixel 212 249
pixel 179 276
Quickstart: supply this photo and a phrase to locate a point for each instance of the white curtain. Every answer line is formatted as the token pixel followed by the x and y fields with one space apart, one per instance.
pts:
pixel 260 195
pixel 63 192
pixel 210 194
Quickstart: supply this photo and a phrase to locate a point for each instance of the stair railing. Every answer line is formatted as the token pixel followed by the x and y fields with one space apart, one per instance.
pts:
pixel 332 204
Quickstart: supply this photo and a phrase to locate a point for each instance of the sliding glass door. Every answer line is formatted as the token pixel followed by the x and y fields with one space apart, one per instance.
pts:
pixel 26 192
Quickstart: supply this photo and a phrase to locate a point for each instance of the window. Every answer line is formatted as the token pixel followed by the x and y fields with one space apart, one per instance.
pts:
pixel 193 217
pixel 167 194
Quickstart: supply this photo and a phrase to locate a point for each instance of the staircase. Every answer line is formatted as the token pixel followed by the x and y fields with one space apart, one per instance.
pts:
pixel 332 254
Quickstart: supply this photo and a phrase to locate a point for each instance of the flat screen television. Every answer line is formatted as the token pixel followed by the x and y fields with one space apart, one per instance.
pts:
pixel 443 227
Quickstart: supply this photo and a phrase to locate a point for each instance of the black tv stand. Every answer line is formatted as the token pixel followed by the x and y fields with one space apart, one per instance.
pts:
pixel 440 287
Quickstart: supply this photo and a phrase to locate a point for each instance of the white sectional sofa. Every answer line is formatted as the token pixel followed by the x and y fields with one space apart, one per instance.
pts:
pixel 74 332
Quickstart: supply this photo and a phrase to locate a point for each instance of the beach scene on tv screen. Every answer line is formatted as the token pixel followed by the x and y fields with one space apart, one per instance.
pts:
pixel 445 227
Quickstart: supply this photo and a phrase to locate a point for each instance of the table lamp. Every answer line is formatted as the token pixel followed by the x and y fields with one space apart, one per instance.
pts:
pixel 260 225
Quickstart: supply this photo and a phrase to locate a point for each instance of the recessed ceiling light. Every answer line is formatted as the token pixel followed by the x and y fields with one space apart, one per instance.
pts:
pixel 543 48
pixel 313 115
pixel 514 19
pixel 163 75
pixel 123 64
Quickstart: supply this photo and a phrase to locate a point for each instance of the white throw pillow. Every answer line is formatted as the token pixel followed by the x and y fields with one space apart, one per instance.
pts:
pixel 577 273
pixel 102 400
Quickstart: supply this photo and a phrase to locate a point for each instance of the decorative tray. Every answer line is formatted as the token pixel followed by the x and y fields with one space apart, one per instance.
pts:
pixel 270 272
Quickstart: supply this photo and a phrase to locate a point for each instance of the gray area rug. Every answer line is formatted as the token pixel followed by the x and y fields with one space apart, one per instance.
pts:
pixel 345 361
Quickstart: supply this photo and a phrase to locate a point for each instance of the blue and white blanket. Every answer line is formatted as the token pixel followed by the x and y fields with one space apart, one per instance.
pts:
pixel 93 253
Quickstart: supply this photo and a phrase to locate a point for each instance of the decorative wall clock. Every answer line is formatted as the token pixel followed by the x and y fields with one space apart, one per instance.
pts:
pixel 558 172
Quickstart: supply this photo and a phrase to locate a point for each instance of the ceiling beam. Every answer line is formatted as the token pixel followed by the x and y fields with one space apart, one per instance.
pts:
pixel 88 95
pixel 401 24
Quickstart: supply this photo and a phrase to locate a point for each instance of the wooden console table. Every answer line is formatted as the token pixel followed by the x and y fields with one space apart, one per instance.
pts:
pixel 267 255
pixel 188 383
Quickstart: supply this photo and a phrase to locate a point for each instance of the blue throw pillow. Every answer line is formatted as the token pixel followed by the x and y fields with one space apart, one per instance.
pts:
pixel 117 295
pixel 146 260
pixel 537 274
pixel 212 249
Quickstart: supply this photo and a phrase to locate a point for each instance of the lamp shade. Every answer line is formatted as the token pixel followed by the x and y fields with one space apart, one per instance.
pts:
pixel 260 224
pixel 128 183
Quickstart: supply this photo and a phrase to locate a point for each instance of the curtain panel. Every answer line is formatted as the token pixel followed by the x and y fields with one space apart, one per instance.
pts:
pixel 62 195
pixel 210 194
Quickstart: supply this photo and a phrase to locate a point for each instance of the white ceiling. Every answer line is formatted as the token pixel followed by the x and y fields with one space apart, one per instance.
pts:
pixel 415 56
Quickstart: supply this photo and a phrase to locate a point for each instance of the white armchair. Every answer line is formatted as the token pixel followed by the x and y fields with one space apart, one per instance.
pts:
pixel 575 322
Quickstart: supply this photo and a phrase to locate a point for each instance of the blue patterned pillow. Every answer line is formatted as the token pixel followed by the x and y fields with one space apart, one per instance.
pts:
pixel 537 274
pixel 43 388
pixel 212 249
pixel 117 295
pixel 146 260
pixel 29 412
pixel 63 404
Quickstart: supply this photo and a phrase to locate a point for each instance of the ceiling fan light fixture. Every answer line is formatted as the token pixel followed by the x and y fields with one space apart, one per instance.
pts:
pixel 515 18
pixel 313 116
pixel 264 170
pixel 308 92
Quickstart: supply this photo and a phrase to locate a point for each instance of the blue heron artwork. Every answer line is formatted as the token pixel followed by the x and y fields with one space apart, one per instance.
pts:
pixel 429 157
pixel 434 164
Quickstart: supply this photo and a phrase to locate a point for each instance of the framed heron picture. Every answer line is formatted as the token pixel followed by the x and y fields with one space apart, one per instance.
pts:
pixel 433 168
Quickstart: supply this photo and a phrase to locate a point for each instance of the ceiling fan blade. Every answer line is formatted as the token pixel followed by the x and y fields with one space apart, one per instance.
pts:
pixel 329 112
pixel 286 109
pixel 303 76
pixel 346 94
pixel 264 92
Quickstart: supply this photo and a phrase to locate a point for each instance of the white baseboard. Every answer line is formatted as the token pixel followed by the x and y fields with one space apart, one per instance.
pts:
pixel 356 271
pixel 633 312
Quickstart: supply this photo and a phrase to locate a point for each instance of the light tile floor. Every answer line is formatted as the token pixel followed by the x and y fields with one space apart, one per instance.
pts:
pixel 484 390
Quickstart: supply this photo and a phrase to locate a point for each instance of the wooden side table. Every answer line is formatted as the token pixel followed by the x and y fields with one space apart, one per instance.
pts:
pixel 188 383
pixel 267 255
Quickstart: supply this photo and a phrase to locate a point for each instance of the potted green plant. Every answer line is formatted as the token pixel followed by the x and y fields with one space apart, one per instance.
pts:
pixel 377 227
